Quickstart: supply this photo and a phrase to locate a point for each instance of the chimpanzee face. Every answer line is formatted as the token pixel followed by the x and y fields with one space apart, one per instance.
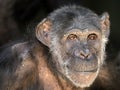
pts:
pixel 79 55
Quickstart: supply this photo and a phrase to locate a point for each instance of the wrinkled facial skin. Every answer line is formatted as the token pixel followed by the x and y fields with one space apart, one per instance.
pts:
pixel 79 56
pixel 82 51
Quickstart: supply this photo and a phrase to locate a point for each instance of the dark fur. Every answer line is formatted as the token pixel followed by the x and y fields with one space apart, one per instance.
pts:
pixel 33 65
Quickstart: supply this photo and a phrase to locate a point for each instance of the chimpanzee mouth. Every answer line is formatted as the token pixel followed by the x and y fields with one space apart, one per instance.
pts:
pixel 82 71
pixel 94 70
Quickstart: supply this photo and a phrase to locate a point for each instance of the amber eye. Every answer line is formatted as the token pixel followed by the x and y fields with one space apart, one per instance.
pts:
pixel 92 37
pixel 72 37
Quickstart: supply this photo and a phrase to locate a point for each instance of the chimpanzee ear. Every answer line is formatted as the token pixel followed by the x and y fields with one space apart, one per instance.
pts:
pixel 43 31
pixel 105 24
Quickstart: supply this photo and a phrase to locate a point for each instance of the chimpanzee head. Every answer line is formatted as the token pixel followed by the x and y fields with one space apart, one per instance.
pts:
pixel 76 37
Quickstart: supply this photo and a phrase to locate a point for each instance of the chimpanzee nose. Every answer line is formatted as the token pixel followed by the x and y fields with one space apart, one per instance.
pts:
pixel 82 54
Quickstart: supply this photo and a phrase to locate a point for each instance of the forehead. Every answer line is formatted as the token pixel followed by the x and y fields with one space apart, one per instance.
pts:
pixel 76 26
pixel 70 18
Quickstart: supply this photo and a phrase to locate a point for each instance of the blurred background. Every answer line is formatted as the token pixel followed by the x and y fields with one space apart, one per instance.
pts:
pixel 17 16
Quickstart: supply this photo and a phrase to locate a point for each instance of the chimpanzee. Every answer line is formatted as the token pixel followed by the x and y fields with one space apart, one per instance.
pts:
pixel 67 53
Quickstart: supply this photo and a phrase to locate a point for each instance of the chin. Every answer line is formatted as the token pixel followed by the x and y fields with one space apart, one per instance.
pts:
pixel 82 79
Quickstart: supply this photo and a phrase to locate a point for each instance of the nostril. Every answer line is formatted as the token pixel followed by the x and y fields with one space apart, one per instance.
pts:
pixel 88 56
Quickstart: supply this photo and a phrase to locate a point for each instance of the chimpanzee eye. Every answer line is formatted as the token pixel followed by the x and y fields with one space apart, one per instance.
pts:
pixel 72 37
pixel 92 37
